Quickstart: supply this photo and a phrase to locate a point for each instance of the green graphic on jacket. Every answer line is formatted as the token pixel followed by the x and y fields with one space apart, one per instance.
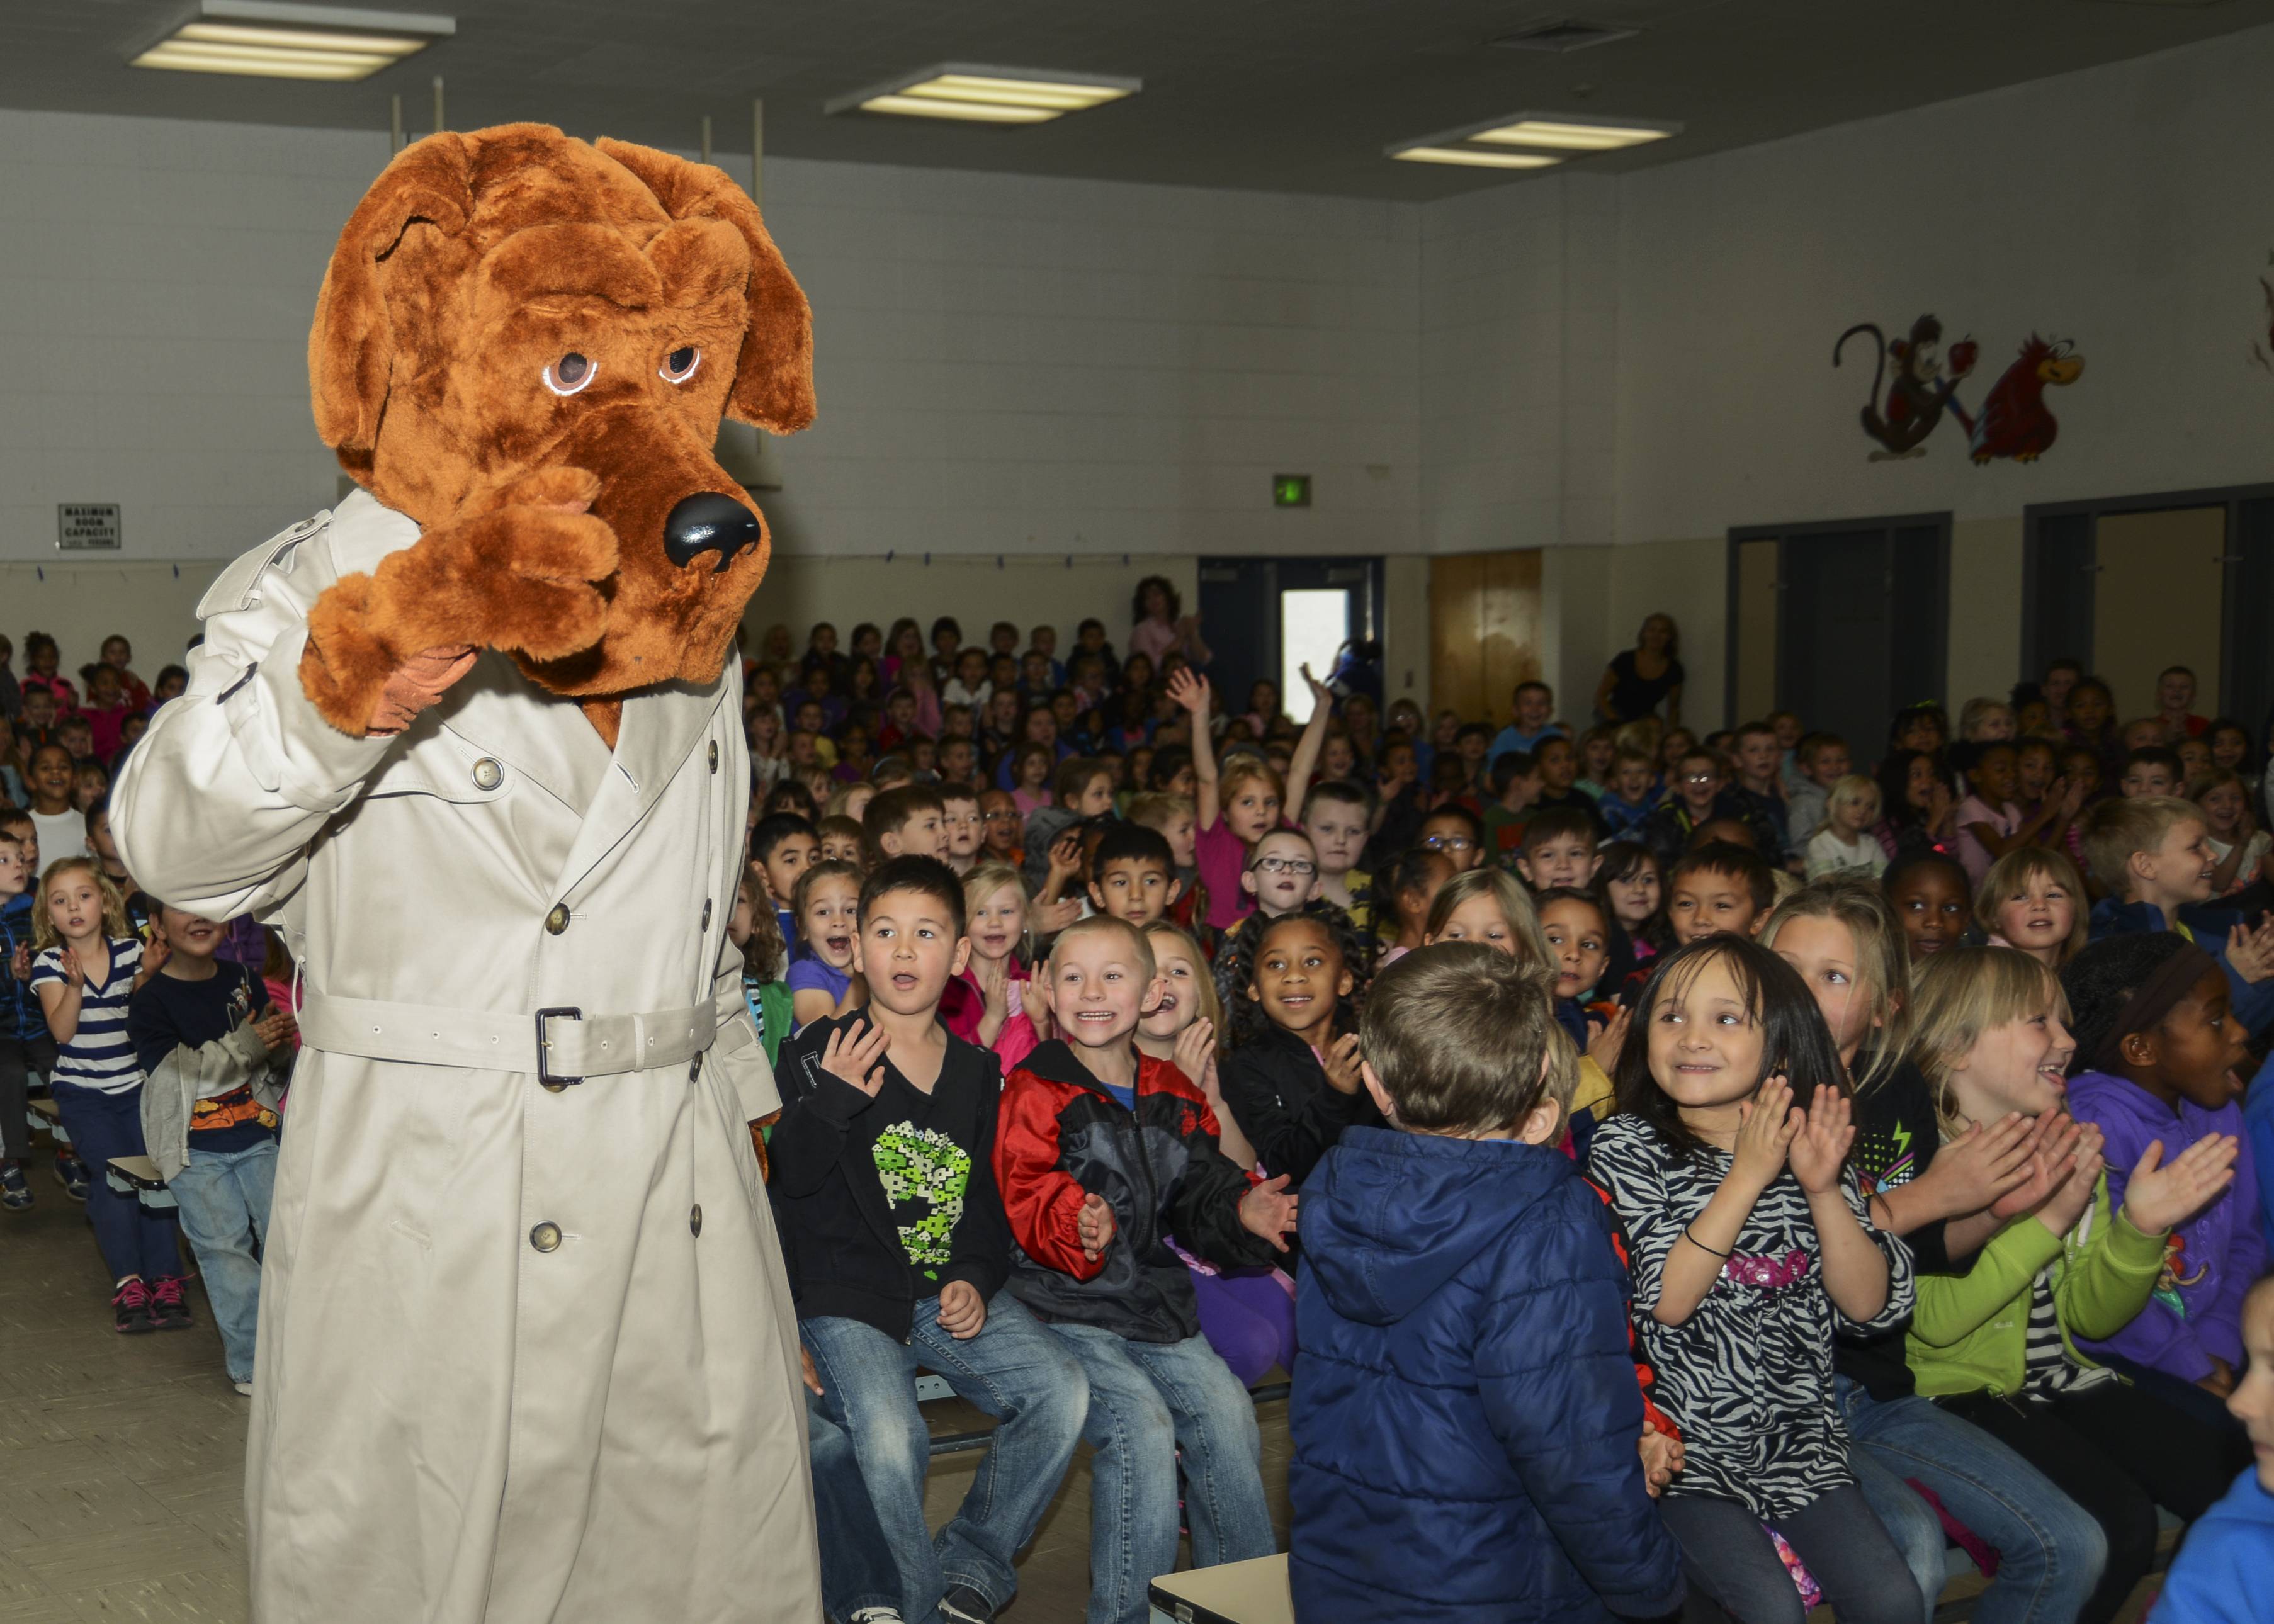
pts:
pixel 921 1166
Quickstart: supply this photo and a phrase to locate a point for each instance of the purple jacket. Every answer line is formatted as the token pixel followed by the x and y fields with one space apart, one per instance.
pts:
pixel 2196 1310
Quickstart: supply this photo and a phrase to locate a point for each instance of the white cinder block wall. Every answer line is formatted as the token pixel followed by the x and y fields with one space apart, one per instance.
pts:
pixel 1014 365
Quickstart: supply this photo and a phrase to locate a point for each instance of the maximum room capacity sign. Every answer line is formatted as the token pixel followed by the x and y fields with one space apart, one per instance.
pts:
pixel 87 527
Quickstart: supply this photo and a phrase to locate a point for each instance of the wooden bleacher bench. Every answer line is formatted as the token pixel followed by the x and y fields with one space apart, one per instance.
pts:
pixel 930 1386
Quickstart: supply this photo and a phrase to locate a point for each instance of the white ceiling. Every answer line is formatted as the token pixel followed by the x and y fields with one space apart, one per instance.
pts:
pixel 1295 95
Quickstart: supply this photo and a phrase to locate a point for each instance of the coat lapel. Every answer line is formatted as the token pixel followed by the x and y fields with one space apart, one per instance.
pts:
pixel 660 728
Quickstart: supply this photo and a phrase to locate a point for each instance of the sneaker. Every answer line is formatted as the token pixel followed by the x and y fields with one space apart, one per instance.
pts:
pixel 168 1306
pixel 71 1173
pixel 132 1304
pixel 876 1615
pixel 962 1604
pixel 245 1387
pixel 15 1194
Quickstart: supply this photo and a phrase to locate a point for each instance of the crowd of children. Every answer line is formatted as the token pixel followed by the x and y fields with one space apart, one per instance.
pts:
pixel 1673 1172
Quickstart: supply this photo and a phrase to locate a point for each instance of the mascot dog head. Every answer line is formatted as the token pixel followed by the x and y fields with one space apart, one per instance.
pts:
pixel 518 321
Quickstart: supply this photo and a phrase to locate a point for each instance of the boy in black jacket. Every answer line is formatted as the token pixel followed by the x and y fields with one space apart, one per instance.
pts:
pixel 884 1184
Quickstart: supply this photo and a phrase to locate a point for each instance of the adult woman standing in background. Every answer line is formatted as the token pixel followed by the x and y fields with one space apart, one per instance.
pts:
pixel 1158 628
pixel 1637 680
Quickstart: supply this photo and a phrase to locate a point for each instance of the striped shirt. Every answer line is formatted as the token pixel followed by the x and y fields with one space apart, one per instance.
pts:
pixel 99 1055
pixel 2046 1367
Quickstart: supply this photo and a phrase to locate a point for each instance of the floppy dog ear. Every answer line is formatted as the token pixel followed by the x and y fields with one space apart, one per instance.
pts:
pixel 352 347
pixel 773 379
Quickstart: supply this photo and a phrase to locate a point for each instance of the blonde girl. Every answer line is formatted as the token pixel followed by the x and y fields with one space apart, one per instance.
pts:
pixel 849 800
pixel 1844 840
pixel 1488 905
pixel 992 1010
pixel 1247 1314
pixel 823 983
pixel 2236 840
pixel 1995 1345
pixel 1188 1026
pixel 86 966
pixel 1986 719
pixel 2034 899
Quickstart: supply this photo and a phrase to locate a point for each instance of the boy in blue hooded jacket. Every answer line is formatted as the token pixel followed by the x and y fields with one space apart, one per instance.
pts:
pixel 1466 1418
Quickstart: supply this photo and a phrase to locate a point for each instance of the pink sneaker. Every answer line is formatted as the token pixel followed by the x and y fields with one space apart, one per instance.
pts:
pixel 168 1306
pixel 132 1303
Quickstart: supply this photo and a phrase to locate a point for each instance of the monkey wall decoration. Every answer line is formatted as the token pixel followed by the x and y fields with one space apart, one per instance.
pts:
pixel 1920 393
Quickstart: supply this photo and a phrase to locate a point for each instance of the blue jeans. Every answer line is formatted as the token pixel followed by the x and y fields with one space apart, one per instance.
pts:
pixel 857 1569
pixel 1016 1372
pixel 2050 1549
pixel 1726 1552
pixel 102 1125
pixel 224 1202
pixel 1146 1401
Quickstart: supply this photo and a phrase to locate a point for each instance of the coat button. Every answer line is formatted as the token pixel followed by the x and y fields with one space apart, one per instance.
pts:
pixel 715 755
pixel 706 913
pixel 557 920
pixel 487 774
pixel 694 1219
pixel 545 1237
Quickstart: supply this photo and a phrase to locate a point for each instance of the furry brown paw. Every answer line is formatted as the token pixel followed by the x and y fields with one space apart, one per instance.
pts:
pixel 520 578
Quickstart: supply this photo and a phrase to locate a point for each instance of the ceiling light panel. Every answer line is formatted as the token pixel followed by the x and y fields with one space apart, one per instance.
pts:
pixel 986 95
pixel 1477 156
pixel 1557 136
pixel 1574 136
pixel 270 39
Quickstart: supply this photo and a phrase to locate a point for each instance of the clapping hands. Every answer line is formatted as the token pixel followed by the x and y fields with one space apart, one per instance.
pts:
pixel 1820 1139
pixel 1766 1124
pixel 2250 953
pixel 2160 1196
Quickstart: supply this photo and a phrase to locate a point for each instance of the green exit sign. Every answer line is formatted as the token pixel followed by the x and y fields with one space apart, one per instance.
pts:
pixel 1291 490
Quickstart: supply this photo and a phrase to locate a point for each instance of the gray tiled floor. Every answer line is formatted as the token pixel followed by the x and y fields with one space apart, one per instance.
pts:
pixel 122 1458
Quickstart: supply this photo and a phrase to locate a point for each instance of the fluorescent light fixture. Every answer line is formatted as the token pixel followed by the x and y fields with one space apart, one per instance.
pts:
pixel 987 95
pixel 270 39
pixel 1575 134
pixel 1487 145
pixel 1475 156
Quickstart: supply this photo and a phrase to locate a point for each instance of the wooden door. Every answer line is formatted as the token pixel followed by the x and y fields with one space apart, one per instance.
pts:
pixel 1484 631
pixel 2155 603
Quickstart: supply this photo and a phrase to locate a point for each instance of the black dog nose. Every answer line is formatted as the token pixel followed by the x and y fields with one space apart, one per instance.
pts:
pixel 707 521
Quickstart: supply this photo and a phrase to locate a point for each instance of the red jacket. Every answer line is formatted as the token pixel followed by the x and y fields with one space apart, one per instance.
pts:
pixel 1061 1136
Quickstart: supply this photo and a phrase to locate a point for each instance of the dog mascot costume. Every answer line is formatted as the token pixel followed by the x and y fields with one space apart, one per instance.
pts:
pixel 473 741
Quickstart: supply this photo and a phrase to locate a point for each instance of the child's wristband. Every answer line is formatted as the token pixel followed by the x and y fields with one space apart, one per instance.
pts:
pixel 1701 1246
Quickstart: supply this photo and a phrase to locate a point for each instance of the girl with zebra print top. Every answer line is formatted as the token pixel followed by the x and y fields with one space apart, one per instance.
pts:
pixel 1750 1244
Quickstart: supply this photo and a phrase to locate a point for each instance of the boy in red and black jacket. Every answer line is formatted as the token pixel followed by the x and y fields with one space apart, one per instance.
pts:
pixel 1100 1153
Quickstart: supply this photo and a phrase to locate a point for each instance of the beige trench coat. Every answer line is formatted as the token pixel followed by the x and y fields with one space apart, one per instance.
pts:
pixel 527 1353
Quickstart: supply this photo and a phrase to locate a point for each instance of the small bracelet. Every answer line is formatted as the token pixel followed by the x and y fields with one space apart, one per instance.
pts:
pixel 1701 1246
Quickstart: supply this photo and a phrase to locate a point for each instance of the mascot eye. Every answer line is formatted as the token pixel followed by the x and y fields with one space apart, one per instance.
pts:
pixel 570 373
pixel 679 364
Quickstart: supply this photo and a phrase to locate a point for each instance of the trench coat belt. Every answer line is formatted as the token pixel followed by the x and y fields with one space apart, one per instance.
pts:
pixel 574 1046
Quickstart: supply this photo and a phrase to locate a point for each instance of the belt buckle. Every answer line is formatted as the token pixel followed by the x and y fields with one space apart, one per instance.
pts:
pixel 567 1011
